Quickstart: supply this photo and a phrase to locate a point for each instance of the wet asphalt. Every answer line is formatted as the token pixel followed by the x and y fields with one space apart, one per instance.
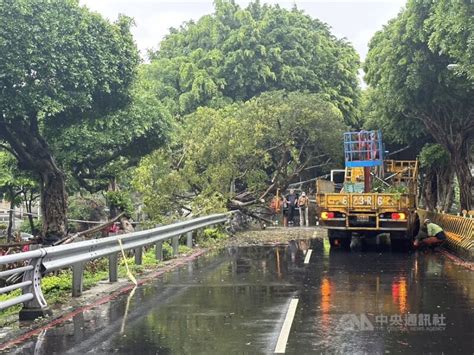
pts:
pixel 235 302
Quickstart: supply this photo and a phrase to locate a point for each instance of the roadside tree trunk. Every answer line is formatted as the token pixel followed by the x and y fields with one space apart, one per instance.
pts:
pixel 429 190
pixel 11 215
pixel 463 173
pixel 453 127
pixel 33 154
pixel 28 199
pixel 53 204
pixel 445 189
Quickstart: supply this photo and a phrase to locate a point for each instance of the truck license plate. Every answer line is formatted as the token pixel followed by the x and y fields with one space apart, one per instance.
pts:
pixel 362 218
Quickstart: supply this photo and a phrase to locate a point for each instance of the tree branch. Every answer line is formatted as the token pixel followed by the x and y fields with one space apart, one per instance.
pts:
pixel 10 150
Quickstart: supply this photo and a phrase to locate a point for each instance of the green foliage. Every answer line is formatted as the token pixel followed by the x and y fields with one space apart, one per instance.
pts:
pixel 57 288
pixel 12 310
pixel 25 226
pixel 13 181
pixel 120 200
pixel 184 249
pixel 167 251
pixel 452 32
pixel 62 66
pixel 214 233
pixel 95 151
pixel 72 64
pixel 411 82
pixel 413 93
pixel 238 53
pixel 86 207
pixel 393 189
pixel 269 139
pixel 55 283
pixel 434 156
pixel 210 237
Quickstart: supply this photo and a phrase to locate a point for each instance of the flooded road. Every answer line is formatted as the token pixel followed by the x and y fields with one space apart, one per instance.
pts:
pixel 236 302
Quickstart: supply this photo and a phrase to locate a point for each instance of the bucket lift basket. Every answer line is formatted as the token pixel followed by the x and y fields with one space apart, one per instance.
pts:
pixel 363 149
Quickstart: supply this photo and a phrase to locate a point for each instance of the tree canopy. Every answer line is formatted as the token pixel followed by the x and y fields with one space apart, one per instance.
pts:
pixel 413 89
pixel 236 54
pixel 61 65
pixel 95 152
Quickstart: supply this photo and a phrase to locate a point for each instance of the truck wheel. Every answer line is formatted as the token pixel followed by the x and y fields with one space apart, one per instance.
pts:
pixel 400 241
pixel 414 228
pixel 339 238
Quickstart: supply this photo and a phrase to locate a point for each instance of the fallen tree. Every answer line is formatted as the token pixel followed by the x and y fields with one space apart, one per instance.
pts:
pixel 238 156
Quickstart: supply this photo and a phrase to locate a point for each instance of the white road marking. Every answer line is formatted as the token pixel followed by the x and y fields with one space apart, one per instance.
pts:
pixel 308 256
pixel 285 329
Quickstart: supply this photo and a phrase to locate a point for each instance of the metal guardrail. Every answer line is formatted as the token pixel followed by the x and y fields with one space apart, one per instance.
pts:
pixel 459 231
pixel 76 254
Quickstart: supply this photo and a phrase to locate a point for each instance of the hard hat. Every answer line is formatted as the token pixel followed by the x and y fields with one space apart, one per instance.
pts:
pixel 303 193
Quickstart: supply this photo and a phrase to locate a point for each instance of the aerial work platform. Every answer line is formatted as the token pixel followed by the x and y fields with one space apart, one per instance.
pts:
pixel 363 149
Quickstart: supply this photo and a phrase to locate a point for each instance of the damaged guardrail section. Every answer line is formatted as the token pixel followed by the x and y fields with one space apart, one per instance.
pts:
pixel 43 260
pixel 459 231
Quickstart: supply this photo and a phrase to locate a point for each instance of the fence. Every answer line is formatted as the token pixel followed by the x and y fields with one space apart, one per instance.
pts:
pixel 459 231
pixel 49 259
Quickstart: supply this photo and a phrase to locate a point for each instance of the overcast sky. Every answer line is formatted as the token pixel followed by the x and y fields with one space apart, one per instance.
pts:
pixel 357 20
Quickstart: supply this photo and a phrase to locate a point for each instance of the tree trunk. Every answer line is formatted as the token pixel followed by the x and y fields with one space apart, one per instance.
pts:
pixel 33 154
pixel 31 221
pixel 53 205
pixel 28 204
pixel 11 215
pixel 455 135
pixel 460 160
pixel 429 190
pixel 445 189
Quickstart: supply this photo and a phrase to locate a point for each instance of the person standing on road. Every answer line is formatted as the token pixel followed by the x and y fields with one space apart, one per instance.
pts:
pixel 284 208
pixel 435 235
pixel 303 203
pixel 275 206
pixel 292 199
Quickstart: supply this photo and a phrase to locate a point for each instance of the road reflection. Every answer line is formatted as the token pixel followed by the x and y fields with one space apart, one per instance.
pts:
pixel 235 301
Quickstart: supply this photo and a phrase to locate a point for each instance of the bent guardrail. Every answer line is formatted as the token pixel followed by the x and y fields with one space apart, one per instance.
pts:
pixel 76 254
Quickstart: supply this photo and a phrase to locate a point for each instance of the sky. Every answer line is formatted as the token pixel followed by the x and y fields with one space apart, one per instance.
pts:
pixel 356 20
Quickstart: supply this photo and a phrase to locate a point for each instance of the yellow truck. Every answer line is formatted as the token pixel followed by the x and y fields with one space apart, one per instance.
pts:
pixel 389 206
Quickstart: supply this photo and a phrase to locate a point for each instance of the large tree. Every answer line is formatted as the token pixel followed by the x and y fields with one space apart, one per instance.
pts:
pixel 236 54
pixel 61 65
pixel 412 84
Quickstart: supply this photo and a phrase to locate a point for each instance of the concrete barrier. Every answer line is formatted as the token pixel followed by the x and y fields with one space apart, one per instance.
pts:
pixel 459 231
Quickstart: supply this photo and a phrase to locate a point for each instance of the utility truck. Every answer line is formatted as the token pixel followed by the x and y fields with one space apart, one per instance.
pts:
pixel 374 196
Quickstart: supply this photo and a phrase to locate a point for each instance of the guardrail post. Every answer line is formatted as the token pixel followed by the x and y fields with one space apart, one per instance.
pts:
pixel 37 307
pixel 113 267
pixel 77 278
pixel 189 239
pixel 175 243
pixel 159 251
pixel 138 256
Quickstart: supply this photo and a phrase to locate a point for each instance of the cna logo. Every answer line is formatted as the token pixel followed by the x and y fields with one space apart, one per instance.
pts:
pixel 355 322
